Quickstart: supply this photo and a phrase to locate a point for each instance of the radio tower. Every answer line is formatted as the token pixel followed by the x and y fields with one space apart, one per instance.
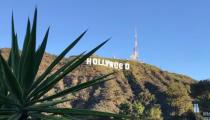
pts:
pixel 135 54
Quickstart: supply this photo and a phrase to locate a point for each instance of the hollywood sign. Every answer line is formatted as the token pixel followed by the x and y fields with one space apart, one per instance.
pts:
pixel 108 63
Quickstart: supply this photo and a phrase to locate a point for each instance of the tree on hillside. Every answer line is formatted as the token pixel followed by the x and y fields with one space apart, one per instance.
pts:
pixel 142 108
pixel 139 112
pixel 135 110
pixel 201 88
pixel 178 99
pixel 204 102
pixel 201 91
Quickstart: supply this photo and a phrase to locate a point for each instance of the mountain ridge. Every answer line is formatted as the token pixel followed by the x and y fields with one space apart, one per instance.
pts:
pixel 126 86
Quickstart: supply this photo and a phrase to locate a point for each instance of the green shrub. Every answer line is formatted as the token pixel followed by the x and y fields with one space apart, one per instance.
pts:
pixel 125 108
pixel 135 110
pixel 154 113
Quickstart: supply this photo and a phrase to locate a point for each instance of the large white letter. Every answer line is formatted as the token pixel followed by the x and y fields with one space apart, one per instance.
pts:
pixel 106 63
pixel 120 66
pixel 95 61
pixel 116 65
pixel 127 66
pixel 88 61
pixel 111 64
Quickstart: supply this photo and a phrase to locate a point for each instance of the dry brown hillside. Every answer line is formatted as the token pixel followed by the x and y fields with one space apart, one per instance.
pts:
pixel 126 85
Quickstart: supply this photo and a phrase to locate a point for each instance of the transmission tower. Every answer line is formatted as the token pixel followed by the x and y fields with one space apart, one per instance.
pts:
pixel 135 54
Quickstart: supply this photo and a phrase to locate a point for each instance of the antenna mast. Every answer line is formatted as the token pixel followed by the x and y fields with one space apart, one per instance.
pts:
pixel 135 54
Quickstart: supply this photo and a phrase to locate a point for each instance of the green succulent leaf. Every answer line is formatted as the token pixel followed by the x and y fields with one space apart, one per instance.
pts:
pixel 7 101
pixel 52 117
pixel 79 112
pixel 50 103
pixel 27 73
pixel 14 56
pixel 24 50
pixel 11 81
pixel 3 87
pixel 40 52
pixel 4 117
pixel 39 55
pixel 15 117
pixel 53 81
pixel 78 87
pixel 57 60
pixel 9 111
pixel 41 89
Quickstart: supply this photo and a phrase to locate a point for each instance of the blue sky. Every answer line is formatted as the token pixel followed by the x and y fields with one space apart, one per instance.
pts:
pixel 173 34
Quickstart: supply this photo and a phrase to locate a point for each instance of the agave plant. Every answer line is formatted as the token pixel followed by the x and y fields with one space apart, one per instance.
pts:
pixel 22 90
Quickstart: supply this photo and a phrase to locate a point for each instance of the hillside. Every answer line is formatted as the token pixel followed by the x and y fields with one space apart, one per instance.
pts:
pixel 124 88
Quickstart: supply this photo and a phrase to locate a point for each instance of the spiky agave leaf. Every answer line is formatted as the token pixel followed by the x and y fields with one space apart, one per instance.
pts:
pixel 21 90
